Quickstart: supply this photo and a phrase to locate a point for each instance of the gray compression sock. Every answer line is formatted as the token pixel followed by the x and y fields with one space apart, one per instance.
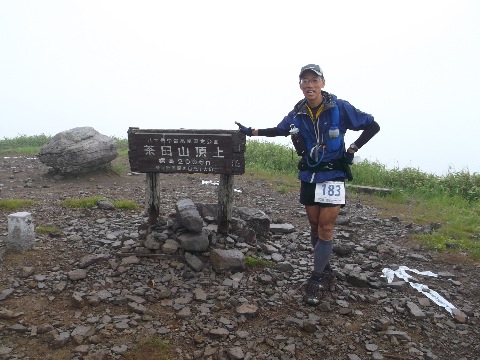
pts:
pixel 321 254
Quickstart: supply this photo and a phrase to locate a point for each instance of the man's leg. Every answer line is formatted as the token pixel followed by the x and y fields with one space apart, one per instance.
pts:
pixel 323 248
pixel 322 221
pixel 313 213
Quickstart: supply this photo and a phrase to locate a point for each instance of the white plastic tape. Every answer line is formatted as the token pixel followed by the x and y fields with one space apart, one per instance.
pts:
pixel 211 182
pixel 401 273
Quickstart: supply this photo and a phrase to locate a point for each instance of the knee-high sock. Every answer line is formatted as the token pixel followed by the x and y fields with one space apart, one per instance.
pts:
pixel 314 239
pixel 321 255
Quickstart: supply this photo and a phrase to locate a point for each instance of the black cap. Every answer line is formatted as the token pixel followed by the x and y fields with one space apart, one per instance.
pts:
pixel 312 67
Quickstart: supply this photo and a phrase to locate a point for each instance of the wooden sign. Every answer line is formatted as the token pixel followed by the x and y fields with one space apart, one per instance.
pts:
pixel 186 151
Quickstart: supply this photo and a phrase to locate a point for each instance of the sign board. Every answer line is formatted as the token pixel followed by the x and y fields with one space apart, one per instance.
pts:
pixel 186 151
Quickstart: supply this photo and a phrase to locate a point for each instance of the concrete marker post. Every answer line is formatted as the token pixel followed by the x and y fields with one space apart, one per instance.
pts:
pixel 21 234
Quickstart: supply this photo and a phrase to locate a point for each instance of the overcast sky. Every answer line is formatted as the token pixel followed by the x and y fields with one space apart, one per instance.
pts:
pixel 414 65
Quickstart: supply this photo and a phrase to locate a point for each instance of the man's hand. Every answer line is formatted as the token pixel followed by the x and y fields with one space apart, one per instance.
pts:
pixel 349 157
pixel 244 130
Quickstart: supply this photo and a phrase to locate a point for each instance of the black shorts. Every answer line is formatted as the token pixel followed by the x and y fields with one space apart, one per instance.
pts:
pixel 307 195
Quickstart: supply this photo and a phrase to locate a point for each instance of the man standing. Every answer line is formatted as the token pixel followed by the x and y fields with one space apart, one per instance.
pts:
pixel 318 124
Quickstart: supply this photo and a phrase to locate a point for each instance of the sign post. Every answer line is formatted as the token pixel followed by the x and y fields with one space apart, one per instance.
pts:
pixel 188 151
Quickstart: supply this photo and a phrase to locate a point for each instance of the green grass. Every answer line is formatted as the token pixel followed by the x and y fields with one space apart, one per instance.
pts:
pixel 119 169
pixel 47 229
pixel 15 204
pixel 251 261
pixel 31 145
pixel 122 146
pixel 152 348
pixel 126 205
pixel 91 202
pixel 276 164
pixel 415 182
pixel 23 145
pixel 266 157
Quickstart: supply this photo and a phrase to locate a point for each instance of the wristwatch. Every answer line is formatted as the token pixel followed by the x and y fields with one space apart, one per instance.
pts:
pixel 354 146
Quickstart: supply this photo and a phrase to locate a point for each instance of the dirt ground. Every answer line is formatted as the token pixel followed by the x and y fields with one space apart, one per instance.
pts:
pixel 27 178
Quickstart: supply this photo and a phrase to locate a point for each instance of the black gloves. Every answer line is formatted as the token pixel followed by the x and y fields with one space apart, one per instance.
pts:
pixel 244 130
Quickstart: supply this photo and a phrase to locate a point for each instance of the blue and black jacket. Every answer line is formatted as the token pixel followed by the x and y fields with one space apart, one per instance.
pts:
pixel 323 150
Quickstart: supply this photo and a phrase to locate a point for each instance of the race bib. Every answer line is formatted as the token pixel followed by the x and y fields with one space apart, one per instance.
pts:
pixel 330 192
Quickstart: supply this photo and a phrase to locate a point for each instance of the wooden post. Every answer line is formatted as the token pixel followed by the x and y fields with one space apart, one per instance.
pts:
pixel 225 201
pixel 153 197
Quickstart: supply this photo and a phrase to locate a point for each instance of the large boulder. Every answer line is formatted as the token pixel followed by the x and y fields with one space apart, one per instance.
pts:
pixel 78 150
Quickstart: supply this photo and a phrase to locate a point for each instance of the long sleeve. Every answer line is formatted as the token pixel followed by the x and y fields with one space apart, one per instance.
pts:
pixel 271 132
pixel 368 133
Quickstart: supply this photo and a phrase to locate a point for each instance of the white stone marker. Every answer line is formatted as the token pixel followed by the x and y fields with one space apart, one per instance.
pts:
pixel 21 234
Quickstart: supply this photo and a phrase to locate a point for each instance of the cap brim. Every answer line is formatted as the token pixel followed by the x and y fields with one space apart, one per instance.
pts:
pixel 315 71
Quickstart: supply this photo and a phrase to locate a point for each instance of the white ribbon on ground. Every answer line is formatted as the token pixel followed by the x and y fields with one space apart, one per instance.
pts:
pixel 211 182
pixel 401 273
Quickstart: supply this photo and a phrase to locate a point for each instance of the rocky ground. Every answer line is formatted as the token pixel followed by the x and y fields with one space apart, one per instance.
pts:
pixel 77 295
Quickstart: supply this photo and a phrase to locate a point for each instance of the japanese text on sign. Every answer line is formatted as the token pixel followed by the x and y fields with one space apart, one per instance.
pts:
pixel 183 152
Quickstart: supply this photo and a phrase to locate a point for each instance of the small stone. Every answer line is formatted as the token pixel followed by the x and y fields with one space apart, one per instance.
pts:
pixel 219 333
pixel 235 353
pixel 199 294
pixel 371 347
pixel 309 326
pixel 26 272
pixel 77 300
pixel 119 349
pixel 459 316
pixel 6 293
pixel 353 357
pixel 137 308
pixel 9 314
pixel 77 274
pixel 184 313
pixel 247 310
pixel 19 328
pixel 193 261
pixel 130 260
pixel 415 310
pixel 5 350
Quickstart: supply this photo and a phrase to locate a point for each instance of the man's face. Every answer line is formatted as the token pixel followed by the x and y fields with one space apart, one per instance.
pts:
pixel 311 85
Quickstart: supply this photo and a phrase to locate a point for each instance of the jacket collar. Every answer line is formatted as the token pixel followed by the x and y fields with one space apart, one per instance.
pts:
pixel 328 100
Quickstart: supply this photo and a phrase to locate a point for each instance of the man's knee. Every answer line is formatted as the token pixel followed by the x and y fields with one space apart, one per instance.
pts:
pixel 325 231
